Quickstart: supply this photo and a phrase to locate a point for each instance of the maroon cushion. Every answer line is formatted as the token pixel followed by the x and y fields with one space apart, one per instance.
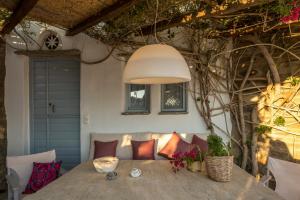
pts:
pixel 105 148
pixel 175 145
pixel 202 144
pixel 143 150
pixel 42 174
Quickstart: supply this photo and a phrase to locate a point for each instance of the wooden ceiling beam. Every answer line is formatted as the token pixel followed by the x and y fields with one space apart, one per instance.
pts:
pixel 21 10
pixel 181 20
pixel 107 13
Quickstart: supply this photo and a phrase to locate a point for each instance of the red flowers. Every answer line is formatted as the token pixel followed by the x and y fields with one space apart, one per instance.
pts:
pixel 177 163
pixel 294 14
pixel 191 155
pixel 181 159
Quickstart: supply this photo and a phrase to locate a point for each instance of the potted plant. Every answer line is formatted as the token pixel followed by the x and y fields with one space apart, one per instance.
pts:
pixel 192 160
pixel 219 161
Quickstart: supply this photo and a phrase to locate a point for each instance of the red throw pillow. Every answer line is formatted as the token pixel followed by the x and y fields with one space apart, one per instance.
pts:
pixel 202 144
pixel 42 174
pixel 175 145
pixel 143 150
pixel 105 148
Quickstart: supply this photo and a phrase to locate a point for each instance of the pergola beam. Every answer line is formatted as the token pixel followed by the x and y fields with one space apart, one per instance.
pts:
pixel 181 20
pixel 105 14
pixel 21 10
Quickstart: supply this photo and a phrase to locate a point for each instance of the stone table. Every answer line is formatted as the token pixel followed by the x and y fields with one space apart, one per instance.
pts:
pixel 157 182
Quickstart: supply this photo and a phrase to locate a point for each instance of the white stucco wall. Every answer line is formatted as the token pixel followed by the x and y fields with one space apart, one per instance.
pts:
pixel 16 102
pixel 102 100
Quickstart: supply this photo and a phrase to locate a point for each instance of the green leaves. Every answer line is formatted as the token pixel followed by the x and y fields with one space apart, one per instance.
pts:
pixel 294 80
pixel 216 146
pixel 279 121
pixel 262 129
pixel 282 7
pixel 4 14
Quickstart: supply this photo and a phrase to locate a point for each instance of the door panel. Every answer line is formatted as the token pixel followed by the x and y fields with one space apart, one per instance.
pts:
pixel 38 137
pixel 64 83
pixel 55 108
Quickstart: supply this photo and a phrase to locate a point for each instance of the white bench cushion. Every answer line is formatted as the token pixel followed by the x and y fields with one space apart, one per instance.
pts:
pixel 23 164
pixel 124 150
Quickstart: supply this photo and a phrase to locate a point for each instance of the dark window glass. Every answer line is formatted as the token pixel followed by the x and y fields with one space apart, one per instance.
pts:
pixel 138 98
pixel 173 98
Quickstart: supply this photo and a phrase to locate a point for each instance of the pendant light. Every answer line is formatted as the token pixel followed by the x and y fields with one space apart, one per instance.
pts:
pixel 156 64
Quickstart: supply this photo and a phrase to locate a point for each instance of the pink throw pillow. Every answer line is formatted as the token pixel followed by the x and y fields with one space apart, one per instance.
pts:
pixel 42 174
pixel 175 145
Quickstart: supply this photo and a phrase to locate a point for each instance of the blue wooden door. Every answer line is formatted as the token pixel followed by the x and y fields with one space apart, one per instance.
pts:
pixel 55 108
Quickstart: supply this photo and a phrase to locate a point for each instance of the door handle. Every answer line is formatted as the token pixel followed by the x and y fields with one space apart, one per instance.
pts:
pixel 52 107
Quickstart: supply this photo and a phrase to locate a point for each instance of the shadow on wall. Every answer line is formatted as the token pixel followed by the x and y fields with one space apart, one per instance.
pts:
pixel 280 145
pixel 280 150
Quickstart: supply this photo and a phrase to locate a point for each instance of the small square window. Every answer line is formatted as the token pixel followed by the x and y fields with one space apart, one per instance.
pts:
pixel 137 98
pixel 174 98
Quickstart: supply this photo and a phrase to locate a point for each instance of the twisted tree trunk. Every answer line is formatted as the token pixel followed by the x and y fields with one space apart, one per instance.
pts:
pixel 241 112
pixel 254 118
pixel 272 65
pixel 3 123
pixel 272 96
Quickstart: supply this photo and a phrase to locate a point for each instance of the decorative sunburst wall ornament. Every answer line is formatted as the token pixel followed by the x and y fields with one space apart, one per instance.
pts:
pixel 52 41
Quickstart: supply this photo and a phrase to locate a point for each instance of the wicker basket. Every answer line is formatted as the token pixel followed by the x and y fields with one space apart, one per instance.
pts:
pixel 219 168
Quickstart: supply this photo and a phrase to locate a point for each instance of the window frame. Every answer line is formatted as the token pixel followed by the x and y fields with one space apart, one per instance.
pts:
pixel 146 110
pixel 182 110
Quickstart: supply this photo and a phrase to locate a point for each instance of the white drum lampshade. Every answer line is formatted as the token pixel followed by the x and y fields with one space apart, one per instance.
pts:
pixel 156 64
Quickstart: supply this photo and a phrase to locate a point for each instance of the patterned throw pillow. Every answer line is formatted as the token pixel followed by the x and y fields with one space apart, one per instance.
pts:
pixel 42 174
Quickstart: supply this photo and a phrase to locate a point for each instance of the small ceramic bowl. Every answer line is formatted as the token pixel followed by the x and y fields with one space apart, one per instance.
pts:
pixel 106 164
pixel 135 172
